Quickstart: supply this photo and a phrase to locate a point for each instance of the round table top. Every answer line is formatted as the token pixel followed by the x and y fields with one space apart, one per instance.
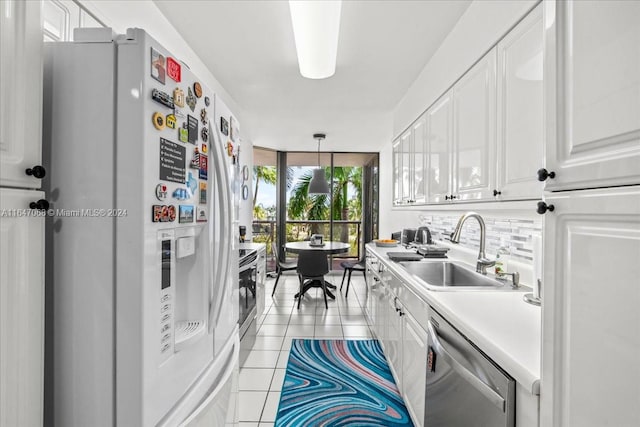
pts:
pixel 328 247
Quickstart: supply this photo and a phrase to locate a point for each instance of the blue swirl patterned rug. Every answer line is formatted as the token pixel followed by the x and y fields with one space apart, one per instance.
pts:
pixel 339 383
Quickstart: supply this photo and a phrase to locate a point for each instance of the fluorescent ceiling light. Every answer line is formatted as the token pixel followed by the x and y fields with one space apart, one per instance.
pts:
pixel 316 25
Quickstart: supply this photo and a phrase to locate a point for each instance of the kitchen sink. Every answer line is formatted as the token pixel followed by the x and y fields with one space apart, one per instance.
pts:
pixel 446 275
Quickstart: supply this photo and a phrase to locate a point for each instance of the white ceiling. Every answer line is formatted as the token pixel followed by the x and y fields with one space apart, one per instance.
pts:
pixel 249 47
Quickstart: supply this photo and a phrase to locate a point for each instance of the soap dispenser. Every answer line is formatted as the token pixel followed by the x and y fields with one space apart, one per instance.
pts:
pixel 502 260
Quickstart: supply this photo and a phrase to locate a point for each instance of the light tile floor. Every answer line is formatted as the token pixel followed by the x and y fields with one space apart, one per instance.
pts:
pixel 262 376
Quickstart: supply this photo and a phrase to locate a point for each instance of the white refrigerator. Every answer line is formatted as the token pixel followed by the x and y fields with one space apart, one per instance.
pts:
pixel 141 256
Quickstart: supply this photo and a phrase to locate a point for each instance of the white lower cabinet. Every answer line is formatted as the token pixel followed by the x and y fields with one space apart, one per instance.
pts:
pixel 414 366
pixel 590 317
pixel 393 347
pixel 21 309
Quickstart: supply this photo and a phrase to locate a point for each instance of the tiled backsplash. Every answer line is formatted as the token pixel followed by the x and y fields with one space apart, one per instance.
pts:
pixel 517 233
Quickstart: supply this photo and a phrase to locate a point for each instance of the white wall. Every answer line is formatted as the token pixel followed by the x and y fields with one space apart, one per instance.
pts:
pixel 479 28
pixel 144 14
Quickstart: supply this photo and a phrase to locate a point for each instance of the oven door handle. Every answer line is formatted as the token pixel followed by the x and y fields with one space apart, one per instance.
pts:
pixel 467 375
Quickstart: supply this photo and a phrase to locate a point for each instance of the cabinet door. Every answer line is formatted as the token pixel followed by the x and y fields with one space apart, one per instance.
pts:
pixel 397 172
pixel 590 316
pixel 414 366
pixel 520 128
pixel 393 349
pixel 21 310
pixel 439 145
pixel 20 92
pixel 419 156
pixel 592 79
pixel 406 143
pixel 474 120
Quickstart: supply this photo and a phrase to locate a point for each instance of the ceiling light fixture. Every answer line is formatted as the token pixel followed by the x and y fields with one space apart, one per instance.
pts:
pixel 318 183
pixel 316 25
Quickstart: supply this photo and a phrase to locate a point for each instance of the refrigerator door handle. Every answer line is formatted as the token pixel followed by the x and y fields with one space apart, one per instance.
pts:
pixel 222 278
pixel 215 394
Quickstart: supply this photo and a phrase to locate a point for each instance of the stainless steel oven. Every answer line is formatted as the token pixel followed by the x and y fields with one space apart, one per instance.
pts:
pixel 247 283
pixel 464 387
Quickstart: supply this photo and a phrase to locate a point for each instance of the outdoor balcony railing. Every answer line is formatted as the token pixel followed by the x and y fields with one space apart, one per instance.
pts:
pixel 264 231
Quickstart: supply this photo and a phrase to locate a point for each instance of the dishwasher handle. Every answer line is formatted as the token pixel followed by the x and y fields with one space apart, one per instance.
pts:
pixel 468 376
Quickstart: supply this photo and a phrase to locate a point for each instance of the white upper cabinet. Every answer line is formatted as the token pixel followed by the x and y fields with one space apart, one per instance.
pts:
pixel 409 165
pixel 419 135
pixel 20 92
pixel 439 143
pixel 520 110
pixel 397 170
pixel 474 129
pixel 593 119
pixel 406 166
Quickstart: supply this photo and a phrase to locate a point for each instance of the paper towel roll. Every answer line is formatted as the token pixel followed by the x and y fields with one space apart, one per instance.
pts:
pixel 537 264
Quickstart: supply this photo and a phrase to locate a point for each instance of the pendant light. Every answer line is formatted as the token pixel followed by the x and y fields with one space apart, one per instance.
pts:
pixel 318 183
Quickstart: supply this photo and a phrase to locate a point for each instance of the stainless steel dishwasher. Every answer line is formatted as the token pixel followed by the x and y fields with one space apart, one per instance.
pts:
pixel 464 387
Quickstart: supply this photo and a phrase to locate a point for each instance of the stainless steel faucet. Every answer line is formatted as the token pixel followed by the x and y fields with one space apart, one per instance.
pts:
pixel 483 261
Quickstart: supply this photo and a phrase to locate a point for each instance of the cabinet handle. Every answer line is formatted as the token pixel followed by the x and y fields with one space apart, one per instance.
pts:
pixel 41 205
pixel 496 193
pixel 543 208
pixel 36 171
pixel 401 313
pixel 446 197
pixel 453 197
pixel 543 174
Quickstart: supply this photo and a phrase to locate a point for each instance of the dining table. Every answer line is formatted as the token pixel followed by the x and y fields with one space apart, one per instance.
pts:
pixel 327 248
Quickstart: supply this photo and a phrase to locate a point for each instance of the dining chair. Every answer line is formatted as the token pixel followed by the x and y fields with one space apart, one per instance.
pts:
pixel 350 266
pixel 312 265
pixel 280 266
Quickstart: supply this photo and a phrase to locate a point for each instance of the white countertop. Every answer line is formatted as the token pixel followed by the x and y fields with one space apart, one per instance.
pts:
pixel 500 323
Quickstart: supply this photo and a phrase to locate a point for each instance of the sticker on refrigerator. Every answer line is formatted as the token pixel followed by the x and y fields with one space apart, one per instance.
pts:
pixel 203 193
pixel 157 66
pixel 185 213
pixel 158 120
pixel 192 183
pixel 197 89
pixel 183 133
pixel 204 166
pixel 195 161
pixel 224 126
pixel 204 148
pixel 178 97
pixel 173 69
pixel 207 101
pixel 203 116
pixel 161 192
pixel 191 100
pixel 192 126
pixel 172 161
pixel 170 120
pixel 163 213
pixel 181 194
pixel 204 134
pixel 202 214
pixel 162 98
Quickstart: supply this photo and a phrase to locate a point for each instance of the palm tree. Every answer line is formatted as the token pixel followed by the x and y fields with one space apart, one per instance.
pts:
pixel 267 174
pixel 316 207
